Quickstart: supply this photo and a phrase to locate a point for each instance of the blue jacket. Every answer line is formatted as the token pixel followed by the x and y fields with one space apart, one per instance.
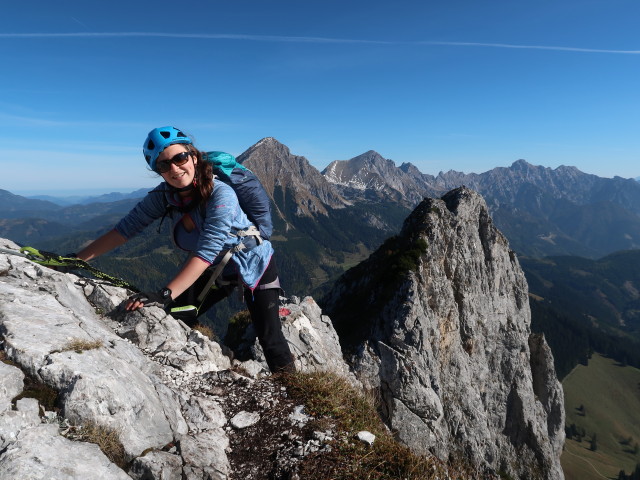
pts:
pixel 213 232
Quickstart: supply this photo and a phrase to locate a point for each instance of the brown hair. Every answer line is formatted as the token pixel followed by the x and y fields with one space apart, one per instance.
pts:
pixel 203 178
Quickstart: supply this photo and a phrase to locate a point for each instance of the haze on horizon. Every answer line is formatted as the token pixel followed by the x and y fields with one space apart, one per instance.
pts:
pixel 458 86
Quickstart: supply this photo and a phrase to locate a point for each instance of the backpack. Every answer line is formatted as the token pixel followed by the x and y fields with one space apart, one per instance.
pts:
pixel 252 196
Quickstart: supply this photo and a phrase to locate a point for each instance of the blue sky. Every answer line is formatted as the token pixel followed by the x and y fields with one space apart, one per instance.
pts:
pixel 457 85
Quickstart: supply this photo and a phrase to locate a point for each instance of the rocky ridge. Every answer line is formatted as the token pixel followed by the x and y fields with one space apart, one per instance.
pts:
pixel 447 342
pixel 182 409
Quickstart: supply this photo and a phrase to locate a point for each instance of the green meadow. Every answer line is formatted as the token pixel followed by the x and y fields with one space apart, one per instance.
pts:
pixel 601 399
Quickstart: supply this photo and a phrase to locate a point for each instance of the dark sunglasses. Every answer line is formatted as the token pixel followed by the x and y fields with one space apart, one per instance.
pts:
pixel 164 166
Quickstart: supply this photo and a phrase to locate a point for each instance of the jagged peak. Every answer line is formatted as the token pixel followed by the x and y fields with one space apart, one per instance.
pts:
pixel 408 166
pixel 370 156
pixel 568 169
pixel 270 143
pixel 521 163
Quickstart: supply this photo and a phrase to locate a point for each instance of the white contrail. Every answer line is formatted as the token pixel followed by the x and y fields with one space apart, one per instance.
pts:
pixel 530 47
pixel 294 39
pixel 215 36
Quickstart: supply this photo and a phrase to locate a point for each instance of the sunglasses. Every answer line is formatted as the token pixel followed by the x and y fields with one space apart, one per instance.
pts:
pixel 163 166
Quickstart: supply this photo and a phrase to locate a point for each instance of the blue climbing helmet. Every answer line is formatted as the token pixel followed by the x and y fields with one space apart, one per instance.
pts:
pixel 159 139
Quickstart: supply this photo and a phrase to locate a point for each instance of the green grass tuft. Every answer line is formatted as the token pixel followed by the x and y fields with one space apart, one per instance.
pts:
pixel 327 395
pixel 80 345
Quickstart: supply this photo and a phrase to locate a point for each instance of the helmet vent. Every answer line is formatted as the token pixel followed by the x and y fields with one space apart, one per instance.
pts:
pixel 165 134
pixel 151 145
pixel 180 134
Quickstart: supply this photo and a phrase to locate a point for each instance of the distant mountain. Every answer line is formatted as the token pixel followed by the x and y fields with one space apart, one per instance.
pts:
pixel 290 180
pixel 16 206
pixel 568 183
pixel 561 211
pixel 31 231
pixel 317 230
pixel 87 199
pixel 61 201
pixel 22 219
pixel 370 177
pixel 542 211
pixel 337 217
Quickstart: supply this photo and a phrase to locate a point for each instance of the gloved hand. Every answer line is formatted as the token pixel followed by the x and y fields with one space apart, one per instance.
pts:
pixel 149 299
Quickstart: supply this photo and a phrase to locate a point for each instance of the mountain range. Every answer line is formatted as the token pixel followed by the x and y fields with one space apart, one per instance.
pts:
pixel 542 211
pixel 328 221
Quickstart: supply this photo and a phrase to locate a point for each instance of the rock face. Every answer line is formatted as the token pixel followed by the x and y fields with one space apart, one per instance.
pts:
pixel 446 342
pixel 162 387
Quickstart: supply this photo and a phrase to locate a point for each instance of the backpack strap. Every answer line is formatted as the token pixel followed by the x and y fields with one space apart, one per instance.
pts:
pixel 252 231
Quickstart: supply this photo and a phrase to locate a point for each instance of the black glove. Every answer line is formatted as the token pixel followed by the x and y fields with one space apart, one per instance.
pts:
pixel 160 299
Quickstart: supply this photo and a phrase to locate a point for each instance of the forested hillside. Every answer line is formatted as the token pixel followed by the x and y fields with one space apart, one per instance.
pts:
pixel 585 305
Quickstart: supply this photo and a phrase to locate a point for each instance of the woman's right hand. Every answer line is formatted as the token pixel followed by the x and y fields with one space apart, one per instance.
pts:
pixel 152 299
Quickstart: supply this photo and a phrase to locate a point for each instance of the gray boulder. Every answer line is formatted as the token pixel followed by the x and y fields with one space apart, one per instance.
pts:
pixel 11 385
pixel 12 422
pixel 312 339
pixel 70 334
pixel 157 465
pixel 39 331
pixel 40 453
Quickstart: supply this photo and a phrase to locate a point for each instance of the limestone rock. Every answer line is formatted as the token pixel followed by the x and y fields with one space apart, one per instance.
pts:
pixel 204 455
pixel 438 322
pixel 12 422
pixel 244 419
pixel 203 413
pixel 312 339
pixel 366 437
pixel 39 329
pixel 157 465
pixel 41 453
pixel 54 333
pixel 11 385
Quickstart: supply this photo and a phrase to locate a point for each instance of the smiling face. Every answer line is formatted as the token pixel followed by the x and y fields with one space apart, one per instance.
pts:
pixel 178 176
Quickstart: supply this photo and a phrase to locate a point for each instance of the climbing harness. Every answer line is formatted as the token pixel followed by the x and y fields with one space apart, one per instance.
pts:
pixel 252 231
pixel 53 260
pixel 215 278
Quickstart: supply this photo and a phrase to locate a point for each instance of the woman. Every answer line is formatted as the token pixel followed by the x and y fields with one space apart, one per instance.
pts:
pixel 207 222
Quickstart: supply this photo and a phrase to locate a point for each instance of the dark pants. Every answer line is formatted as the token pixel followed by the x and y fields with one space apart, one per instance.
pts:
pixel 263 307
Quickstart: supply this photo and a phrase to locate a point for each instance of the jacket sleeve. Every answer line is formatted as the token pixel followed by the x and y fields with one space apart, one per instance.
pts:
pixel 150 208
pixel 221 210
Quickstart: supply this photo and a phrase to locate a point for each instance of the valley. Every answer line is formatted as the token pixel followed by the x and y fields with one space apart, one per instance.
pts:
pixel 601 399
